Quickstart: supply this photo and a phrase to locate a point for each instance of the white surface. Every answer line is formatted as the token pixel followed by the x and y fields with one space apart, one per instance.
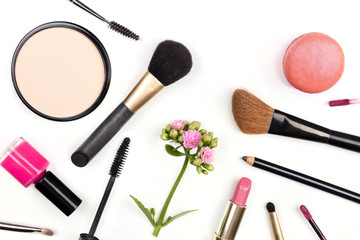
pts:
pixel 234 44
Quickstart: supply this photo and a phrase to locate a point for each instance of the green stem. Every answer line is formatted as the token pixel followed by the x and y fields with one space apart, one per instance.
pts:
pixel 159 223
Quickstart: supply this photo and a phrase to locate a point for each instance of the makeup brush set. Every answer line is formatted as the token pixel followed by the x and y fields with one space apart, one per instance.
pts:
pixel 69 78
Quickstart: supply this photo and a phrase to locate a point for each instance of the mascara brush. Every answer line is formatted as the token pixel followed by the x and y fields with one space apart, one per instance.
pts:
pixel 114 173
pixel 170 62
pixel 253 116
pixel 25 229
pixel 112 25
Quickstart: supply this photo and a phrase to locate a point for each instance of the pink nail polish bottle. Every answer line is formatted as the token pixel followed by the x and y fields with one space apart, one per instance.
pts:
pixel 28 166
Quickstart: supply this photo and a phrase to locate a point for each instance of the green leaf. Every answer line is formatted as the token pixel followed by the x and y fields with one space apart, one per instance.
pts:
pixel 172 151
pixel 144 210
pixel 170 219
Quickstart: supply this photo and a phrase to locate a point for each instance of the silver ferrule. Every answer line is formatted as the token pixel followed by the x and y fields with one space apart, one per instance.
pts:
pixel 230 223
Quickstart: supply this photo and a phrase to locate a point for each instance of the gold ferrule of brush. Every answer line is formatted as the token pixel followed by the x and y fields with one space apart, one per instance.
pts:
pixel 275 225
pixel 144 90
pixel 230 223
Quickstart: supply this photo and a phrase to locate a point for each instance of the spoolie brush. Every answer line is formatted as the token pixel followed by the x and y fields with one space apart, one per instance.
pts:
pixel 114 173
pixel 253 116
pixel 171 61
pixel 112 25
pixel 25 229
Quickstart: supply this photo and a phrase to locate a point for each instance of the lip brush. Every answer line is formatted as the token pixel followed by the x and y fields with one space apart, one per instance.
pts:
pixel 112 25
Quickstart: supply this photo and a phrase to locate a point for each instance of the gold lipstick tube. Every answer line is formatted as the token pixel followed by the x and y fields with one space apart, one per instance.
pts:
pixel 231 222
pixel 144 90
pixel 275 225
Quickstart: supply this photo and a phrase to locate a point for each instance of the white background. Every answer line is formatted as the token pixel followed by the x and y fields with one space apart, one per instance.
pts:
pixel 234 44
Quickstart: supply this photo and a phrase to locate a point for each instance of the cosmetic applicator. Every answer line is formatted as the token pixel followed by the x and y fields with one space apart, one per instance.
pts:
pixel 234 212
pixel 114 173
pixel 112 25
pixel 343 102
pixel 302 178
pixel 313 224
pixel 275 224
pixel 253 116
pixel 171 61
pixel 25 229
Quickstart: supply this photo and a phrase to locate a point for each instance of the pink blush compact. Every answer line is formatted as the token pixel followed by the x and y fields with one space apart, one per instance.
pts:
pixel 313 62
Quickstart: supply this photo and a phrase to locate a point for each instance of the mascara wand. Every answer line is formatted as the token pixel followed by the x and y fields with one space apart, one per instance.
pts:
pixel 112 25
pixel 114 173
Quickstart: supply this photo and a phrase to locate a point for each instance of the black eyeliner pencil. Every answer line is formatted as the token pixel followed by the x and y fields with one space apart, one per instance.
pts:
pixel 302 178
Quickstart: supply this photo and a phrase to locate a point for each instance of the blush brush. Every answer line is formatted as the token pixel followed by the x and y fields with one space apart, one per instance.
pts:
pixel 114 173
pixel 171 61
pixel 112 25
pixel 253 116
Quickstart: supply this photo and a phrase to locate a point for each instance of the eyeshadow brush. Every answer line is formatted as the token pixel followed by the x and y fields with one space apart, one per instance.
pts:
pixel 170 62
pixel 253 116
pixel 25 229
pixel 114 173
pixel 112 25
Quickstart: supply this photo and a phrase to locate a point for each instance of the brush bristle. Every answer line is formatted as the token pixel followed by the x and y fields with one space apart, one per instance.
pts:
pixel 123 30
pixel 119 159
pixel 47 232
pixel 171 61
pixel 270 207
pixel 252 115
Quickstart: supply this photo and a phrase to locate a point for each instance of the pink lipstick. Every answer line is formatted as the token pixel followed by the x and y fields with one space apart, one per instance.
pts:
pixel 234 211
pixel 28 166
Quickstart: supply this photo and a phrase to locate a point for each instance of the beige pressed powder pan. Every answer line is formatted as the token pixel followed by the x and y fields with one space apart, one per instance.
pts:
pixel 61 71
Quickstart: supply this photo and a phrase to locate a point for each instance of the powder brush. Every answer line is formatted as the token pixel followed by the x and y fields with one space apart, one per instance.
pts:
pixel 112 25
pixel 171 61
pixel 253 116
pixel 115 171
pixel 25 229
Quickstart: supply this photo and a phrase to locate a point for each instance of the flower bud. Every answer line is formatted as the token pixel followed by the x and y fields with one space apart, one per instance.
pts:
pixel 209 167
pixel 152 211
pixel 211 134
pixel 199 170
pixel 200 144
pixel 206 138
pixel 173 133
pixel 168 128
pixel 165 136
pixel 180 139
pixel 202 131
pixel 181 132
pixel 197 162
pixel 163 130
pixel 195 125
pixel 205 172
pixel 214 143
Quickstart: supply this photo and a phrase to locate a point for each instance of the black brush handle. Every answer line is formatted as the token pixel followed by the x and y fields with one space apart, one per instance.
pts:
pixel 344 140
pixel 102 135
pixel 308 180
pixel 287 125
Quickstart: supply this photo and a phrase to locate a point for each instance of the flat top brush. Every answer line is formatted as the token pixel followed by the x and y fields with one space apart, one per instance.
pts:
pixel 253 116
pixel 25 229
pixel 114 173
pixel 171 61
pixel 112 25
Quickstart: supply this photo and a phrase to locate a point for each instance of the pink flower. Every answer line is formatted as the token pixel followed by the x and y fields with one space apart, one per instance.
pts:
pixel 191 138
pixel 206 154
pixel 178 124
